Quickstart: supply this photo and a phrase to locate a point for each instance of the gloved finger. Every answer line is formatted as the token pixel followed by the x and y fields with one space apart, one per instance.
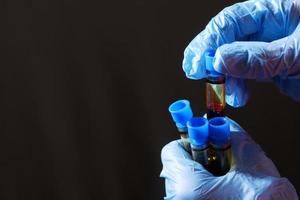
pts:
pixel 260 60
pixel 248 156
pixel 176 159
pixel 184 178
pixel 262 20
pixel 237 93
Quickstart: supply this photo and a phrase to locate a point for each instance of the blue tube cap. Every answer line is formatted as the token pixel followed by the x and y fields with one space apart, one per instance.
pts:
pixel 181 112
pixel 219 131
pixel 209 62
pixel 198 131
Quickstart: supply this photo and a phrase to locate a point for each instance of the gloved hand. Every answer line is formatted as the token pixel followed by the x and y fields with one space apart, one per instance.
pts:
pixel 258 39
pixel 253 176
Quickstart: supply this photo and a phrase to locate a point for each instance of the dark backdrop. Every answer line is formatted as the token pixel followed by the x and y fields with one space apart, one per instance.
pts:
pixel 84 91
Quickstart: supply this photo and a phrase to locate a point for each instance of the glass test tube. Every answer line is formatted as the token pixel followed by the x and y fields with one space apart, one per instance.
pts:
pixel 220 148
pixel 181 112
pixel 198 134
pixel 185 141
pixel 215 89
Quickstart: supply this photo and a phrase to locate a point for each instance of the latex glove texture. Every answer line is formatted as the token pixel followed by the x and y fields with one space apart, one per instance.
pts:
pixel 252 176
pixel 257 39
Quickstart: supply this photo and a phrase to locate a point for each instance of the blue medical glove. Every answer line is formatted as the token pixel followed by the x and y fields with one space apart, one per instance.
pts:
pixel 258 39
pixel 252 176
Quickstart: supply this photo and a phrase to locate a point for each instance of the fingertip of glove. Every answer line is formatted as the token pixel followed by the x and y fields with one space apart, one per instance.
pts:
pixel 237 93
pixel 172 150
pixel 192 65
pixel 236 101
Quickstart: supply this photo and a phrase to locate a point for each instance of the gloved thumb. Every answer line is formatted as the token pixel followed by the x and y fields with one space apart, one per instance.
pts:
pixel 185 178
pixel 176 160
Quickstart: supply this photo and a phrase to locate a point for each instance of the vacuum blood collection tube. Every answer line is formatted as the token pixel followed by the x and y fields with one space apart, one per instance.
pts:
pixel 215 89
pixel 219 137
pixel 198 134
pixel 181 112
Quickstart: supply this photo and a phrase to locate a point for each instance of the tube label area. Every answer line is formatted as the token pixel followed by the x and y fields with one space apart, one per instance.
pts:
pixel 215 99
pixel 201 156
pixel 186 142
pixel 220 161
pixel 215 96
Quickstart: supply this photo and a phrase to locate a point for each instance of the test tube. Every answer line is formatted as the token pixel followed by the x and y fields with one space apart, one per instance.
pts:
pixel 220 148
pixel 181 112
pixel 215 89
pixel 198 134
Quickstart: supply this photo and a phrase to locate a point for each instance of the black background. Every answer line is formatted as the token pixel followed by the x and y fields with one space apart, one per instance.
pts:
pixel 84 91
